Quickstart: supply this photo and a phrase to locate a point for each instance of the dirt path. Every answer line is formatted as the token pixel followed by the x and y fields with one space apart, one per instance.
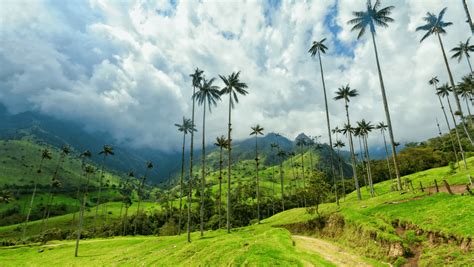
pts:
pixel 329 251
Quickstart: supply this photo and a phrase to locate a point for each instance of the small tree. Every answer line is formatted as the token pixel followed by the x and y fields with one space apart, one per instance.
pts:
pixel 319 189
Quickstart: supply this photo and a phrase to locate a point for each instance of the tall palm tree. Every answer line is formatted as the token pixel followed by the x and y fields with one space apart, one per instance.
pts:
pixel 83 156
pixel 45 154
pixel 106 150
pixel 186 127
pixel 345 93
pixel 281 155
pixel 372 17
pixel 55 184
pixel 89 170
pixel 463 49
pixel 434 81
pixel 149 166
pixel 469 20
pixel 5 196
pixel 365 128
pixel 316 49
pixel 196 82
pixel 358 134
pixel 301 143
pixel 383 127
pixel 257 130
pixel 465 90
pixel 233 87
pixel 443 91
pixel 208 94
pixel 222 144
pixel 436 25
pixel 339 144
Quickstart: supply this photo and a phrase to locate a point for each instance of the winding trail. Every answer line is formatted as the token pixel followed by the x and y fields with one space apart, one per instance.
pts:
pixel 329 251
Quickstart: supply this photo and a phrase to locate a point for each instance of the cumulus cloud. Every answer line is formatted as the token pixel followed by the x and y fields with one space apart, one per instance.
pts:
pixel 123 66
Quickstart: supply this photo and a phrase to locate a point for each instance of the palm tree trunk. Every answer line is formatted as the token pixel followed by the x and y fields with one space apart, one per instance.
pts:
pixel 386 155
pixel 140 190
pixel 78 193
pixel 220 187
pixel 203 169
pixel 30 207
pixel 229 160
pixel 461 149
pixel 329 129
pixel 281 186
pixel 302 175
pixel 449 128
pixel 100 189
pixel 469 112
pixel 256 179
pixel 81 215
pixel 469 63
pixel 369 171
pixel 469 20
pixel 181 184
pixel 456 97
pixel 351 146
pixel 342 175
pixel 125 220
pixel 387 115
pixel 191 169
pixel 362 160
pixel 51 195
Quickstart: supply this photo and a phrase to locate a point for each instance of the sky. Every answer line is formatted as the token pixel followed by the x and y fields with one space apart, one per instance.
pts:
pixel 122 67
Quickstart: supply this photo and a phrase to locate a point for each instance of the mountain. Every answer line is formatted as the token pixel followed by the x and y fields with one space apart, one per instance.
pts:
pixel 51 131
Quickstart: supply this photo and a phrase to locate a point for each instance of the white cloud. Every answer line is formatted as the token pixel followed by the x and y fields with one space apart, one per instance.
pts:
pixel 123 67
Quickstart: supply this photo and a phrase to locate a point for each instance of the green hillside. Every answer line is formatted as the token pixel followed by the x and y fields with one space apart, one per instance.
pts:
pixel 412 226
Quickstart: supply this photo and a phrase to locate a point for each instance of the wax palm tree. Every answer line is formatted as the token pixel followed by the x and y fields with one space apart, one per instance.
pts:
pixel 345 93
pixel 365 128
pixel 463 49
pixel 372 17
pixel 83 156
pixel 444 91
pixel 208 95
pixel 358 134
pixel 339 145
pixel 89 170
pixel 45 154
pixel 465 90
pixel 127 200
pixel 55 184
pixel 233 87
pixel 436 25
pixel 316 49
pixel 196 82
pixel 186 127
pixel 469 20
pixel 301 143
pixel 222 144
pixel 281 154
pixel 257 130
pixel 106 151
pixel 434 81
pixel 383 127
pixel 149 166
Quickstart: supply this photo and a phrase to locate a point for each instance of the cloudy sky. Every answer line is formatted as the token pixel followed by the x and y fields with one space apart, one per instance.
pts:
pixel 123 66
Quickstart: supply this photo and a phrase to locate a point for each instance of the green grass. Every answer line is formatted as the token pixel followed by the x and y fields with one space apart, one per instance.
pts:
pixel 260 245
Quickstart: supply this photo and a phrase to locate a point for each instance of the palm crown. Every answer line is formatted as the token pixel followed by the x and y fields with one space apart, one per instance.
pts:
pixel 208 93
pixel 86 154
pixel 347 129
pixel 381 126
pixel 434 24
pixel 46 154
pixel 345 92
pixel 463 49
pixel 221 142
pixel 317 47
pixel 433 81
pixel 233 86
pixel 197 77
pixel 373 16
pixel 339 144
pixel 186 127
pixel 444 90
pixel 364 127
pixel 107 150
pixel 256 130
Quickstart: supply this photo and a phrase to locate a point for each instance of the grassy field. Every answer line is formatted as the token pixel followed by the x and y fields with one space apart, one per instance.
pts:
pixel 267 244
